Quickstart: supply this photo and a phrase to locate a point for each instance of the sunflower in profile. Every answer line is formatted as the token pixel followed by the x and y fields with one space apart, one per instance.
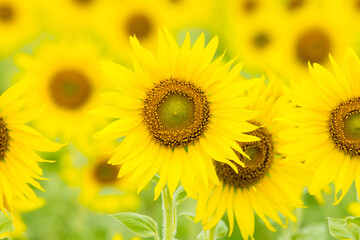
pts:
pixel 258 185
pixel 68 78
pixel 101 190
pixel 18 24
pixel 173 110
pixel 326 121
pixel 18 162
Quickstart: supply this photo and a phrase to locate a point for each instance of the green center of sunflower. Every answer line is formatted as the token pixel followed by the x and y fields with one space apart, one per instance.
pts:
pixel 344 126
pixel 261 40
pixel 6 13
pixel 250 6
pixel 313 45
pixel 70 89
pixel 177 112
pixel 261 155
pixel 106 173
pixel 4 139
pixel 139 25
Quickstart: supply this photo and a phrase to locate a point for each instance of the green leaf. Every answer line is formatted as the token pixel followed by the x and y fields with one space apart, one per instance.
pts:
pixel 155 178
pixel 6 224
pixel 5 238
pixel 180 196
pixel 141 225
pixel 221 230
pixel 348 228
pixel 314 231
pixel 190 216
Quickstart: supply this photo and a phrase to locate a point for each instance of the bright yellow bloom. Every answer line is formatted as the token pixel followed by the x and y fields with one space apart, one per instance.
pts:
pixel 325 120
pixel 18 162
pixel 269 184
pixel 173 110
pixel 68 78
pixel 19 23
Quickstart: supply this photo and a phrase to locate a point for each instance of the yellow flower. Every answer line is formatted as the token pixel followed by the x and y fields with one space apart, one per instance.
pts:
pixel 269 184
pixel 101 190
pixel 173 110
pixel 18 162
pixel 325 120
pixel 68 78
pixel 18 24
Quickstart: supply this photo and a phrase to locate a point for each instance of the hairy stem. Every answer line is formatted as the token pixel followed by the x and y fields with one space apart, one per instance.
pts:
pixel 169 211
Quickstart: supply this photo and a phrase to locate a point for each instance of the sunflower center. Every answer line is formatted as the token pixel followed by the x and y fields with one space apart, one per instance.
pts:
pixel 295 4
pixel 83 2
pixel 139 25
pixel 70 89
pixel 106 173
pixel 260 153
pixel 4 139
pixel 177 112
pixel 261 40
pixel 250 6
pixel 6 13
pixel 314 46
pixel 344 126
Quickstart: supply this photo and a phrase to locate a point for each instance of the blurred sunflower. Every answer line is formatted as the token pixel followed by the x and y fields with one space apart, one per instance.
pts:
pixel 18 24
pixel 101 190
pixel 173 110
pixel 312 35
pixel 67 76
pixel 325 119
pixel 128 18
pixel 258 185
pixel 258 41
pixel 19 163
pixel 73 16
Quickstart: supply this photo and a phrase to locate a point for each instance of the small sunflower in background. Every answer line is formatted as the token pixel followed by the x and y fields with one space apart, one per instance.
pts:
pixel 128 18
pixel 100 188
pixel 19 23
pixel 67 77
pixel 173 110
pixel 326 122
pixel 312 35
pixel 74 16
pixel 19 164
pixel 268 185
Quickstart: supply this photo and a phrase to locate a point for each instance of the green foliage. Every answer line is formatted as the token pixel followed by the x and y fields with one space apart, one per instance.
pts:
pixel 141 225
pixel 221 231
pixel 348 228
pixel 190 216
pixel 6 225
pixel 179 196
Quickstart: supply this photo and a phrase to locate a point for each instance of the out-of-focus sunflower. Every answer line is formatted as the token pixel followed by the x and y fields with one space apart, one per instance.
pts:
pixel 20 227
pixel 19 23
pixel 312 35
pixel 242 10
pixel 68 78
pixel 173 110
pixel 128 18
pixel 101 190
pixel 257 41
pixel 18 162
pixel 72 16
pixel 268 185
pixel 325 119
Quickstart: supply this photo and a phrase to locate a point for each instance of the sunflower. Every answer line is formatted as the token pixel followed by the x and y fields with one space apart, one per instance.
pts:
pixel 128 18
pixel 101 190
pixel 258 41
pixel 268 185
pixel 67 76
pixel 173 110
pixel 325 119
pixel 18 24
pixel 312 34
pixel 19 163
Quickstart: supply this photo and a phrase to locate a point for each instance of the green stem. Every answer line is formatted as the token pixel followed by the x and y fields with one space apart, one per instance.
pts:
pixel 169 210
pixel 212 234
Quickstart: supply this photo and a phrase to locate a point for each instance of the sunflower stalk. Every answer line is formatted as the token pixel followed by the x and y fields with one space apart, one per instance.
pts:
pixel 169 210
pixel 212 235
